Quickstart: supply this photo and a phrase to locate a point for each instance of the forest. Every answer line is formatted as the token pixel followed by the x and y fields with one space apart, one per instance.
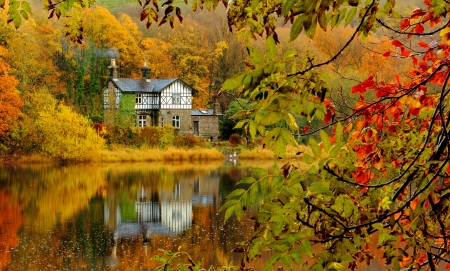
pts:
pixel 48 78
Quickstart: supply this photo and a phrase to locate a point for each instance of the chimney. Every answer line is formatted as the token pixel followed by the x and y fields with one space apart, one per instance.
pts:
pixel 145 72
pixel 113 69
pixel 217 106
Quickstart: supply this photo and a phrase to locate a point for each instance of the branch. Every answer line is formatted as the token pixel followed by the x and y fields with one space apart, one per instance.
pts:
pixel 413 34
pixel 342 49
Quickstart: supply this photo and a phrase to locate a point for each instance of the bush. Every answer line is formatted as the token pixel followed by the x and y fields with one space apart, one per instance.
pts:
pixel 189 141
pixel 234 140
pixel 67 135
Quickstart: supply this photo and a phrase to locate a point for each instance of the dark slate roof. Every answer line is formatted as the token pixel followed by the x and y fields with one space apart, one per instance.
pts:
pixel 209 112
pixel 139 85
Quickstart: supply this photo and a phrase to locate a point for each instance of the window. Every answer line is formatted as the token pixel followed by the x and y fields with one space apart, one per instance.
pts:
pixel 176 121
pixel 142 120
pixel 139 98
pixel 176 98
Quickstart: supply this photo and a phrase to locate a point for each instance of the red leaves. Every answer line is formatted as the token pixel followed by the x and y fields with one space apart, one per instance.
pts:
pixel 419 29
pixel 405 52
pixel 362 87
pixel 417 13
pixel 397 43
pixel 423 44
pixel 404 24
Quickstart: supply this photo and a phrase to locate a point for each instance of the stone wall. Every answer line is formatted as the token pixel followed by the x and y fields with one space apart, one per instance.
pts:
pixel 185 119
pixel 208 126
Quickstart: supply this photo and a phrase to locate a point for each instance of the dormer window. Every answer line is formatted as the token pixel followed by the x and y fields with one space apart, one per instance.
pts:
pixel 139 98
pixel 176 98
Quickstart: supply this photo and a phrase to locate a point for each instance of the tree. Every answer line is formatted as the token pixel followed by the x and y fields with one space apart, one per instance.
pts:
pixel 383 168
pixel 10 102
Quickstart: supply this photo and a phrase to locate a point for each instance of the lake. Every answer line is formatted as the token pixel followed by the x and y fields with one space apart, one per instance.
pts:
pixel 119 216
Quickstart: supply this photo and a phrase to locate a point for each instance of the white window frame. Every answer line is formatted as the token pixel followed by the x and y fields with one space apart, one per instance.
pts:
pixel 176 122
pixel 176 98
pixel 142 120
pixel 139 98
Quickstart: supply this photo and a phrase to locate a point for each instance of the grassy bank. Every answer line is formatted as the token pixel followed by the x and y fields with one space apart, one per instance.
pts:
pixel 119 154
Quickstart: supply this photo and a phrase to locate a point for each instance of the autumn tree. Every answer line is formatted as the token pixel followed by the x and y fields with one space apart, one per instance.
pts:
pixel 10 101
pixel 382 168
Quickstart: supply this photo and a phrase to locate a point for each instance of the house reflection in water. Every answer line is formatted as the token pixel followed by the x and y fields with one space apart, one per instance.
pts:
pixel 162 212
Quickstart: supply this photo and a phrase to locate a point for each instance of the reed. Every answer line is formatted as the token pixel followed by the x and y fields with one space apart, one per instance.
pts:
pixel 157 155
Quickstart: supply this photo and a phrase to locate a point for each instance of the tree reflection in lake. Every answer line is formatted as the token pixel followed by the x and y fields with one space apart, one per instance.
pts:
pixel 116 217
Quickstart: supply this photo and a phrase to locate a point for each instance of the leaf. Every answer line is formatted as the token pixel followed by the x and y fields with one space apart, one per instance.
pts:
pixel 350 15
pixel 287 6
pixel 269 118
pixel 306 247
pixel 279 147
pixel 404 24
pixel 270 263
pixel 259 172
pixel 271 48
pixel 397 43
pixel 319 188
pixel 252 129
pixel 323 19
pixel 336 148
pixel 419 29
pixel 25 6
pixel 255 56
pixel 325 140
pixel 290 120
pixel 288 137
pixel 423 44
pixel 296 256
pixel 338 266
pixel 315 147
pixel 233 82
pixel 236 193
pixel 297 27
pixel 308 158
pixel 339 132
pixel 246 180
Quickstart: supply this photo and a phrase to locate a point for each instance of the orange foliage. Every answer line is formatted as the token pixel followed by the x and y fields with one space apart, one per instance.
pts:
pixel 10 102
pixel 10 222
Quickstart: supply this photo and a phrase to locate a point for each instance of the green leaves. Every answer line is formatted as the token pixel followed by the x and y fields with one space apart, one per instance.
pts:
pixel 17 11
pixel 278 138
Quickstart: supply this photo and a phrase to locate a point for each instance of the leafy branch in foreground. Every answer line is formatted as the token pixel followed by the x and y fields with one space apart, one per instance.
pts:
pixel 382 170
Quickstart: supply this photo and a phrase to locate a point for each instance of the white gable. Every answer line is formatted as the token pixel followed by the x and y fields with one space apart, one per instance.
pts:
pixel 176 96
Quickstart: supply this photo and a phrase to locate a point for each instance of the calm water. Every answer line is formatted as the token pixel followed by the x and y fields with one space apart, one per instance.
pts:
pixel 118 216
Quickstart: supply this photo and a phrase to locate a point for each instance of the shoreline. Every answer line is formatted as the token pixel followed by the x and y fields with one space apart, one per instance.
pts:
pixel 171 154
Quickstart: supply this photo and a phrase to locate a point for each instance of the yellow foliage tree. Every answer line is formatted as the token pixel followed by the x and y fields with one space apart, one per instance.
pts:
pixel 158 58
pixel 67 135
pixel 106 31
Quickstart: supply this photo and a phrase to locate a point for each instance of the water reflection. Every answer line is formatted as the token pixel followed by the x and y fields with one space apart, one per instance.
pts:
pixel 116 217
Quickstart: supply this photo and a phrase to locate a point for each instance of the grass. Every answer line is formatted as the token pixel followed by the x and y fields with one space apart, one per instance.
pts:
pixel 157 155
pixel 120 154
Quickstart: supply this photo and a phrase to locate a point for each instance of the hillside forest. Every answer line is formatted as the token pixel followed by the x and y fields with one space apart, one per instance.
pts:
pixel 46 78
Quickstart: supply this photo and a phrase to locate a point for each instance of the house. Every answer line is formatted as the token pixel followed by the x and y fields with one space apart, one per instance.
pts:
pixel 157 102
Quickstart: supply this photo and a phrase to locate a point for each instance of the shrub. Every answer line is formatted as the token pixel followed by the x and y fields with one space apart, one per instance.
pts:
pixel 67 135
pixel 234 140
